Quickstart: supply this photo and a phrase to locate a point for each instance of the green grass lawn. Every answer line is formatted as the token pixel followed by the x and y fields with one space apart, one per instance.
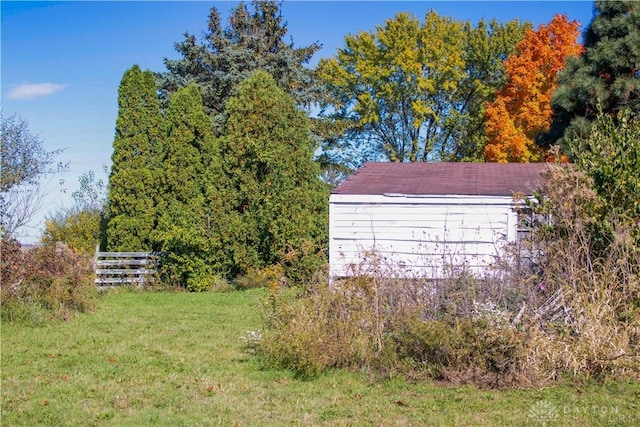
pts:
pixel 179 359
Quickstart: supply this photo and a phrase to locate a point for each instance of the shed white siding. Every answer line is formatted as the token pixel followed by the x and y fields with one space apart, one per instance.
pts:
pixel 416 235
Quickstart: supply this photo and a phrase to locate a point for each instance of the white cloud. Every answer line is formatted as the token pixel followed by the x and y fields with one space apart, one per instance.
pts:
pixel 35 90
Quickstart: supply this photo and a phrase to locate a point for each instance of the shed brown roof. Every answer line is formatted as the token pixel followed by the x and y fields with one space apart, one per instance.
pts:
pixel 482 179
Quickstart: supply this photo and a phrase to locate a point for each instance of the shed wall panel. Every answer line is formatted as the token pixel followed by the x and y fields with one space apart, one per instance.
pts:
pixel 417 235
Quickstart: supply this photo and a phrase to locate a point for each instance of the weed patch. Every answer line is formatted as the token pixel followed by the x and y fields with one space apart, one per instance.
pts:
pixel 570 309
pixel 44 283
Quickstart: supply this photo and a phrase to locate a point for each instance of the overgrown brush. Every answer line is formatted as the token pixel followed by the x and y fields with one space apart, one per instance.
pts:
pixel 389 326
pixel 592 261
pixel 571 309
pixel 323 328
pixel 44 283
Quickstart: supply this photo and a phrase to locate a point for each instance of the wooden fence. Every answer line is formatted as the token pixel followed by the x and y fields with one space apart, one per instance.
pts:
pixel 124 268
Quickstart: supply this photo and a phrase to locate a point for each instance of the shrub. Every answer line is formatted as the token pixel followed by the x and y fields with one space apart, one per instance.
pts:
pixel 201 278
pixel 47 282
pixel 79 229
pixel 183 270
pixel 565 302
pixel 271 277
pixel 324 327
pixel 207 281
pixel 383 325
pixel 301 264
pixel 294 337
pixel 591 324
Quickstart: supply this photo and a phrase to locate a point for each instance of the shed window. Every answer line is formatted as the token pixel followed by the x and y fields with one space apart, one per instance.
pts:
pixel 525 223
pixel 527 219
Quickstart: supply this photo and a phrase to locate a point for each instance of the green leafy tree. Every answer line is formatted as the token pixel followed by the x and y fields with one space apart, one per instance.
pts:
pixel 76 228
pixel 488 45
pixel 410 91
pixel 82 226
pixel 251 41
pixel 186 229
pixel 605 78
pixel 610 155
pixel 139 128
pixel 277 205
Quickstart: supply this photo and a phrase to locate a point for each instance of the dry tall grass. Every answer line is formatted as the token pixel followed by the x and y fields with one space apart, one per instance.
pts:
pixel 593 265
pixel 43 283
pixel 572 309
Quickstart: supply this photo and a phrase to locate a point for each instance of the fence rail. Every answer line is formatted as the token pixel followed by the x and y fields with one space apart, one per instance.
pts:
pixel 124 268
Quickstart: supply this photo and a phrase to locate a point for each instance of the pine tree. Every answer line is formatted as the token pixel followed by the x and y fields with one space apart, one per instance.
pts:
pixel 250 42
pixel 605 78
pixel 189 166
pixel 277 205
pixel 131 204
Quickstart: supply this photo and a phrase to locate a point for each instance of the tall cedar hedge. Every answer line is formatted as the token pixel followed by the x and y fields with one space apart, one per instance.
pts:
pixel 139 128
pixel 276 205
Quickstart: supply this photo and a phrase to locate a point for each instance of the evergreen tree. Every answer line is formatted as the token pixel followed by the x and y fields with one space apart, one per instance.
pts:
pixel 605 78
pixel 131 204
pixel 185 230
pixel 251 41
pixel 277 205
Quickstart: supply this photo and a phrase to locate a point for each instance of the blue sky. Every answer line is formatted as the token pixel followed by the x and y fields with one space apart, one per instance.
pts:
pixel 62 62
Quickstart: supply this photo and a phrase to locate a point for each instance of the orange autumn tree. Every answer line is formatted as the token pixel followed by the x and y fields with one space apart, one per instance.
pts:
pixel 522 108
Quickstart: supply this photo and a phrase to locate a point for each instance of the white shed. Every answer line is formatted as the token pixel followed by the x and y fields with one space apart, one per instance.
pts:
pixel 423 219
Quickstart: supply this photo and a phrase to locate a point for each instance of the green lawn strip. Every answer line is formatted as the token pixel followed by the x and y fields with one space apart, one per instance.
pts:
pixel 178 359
